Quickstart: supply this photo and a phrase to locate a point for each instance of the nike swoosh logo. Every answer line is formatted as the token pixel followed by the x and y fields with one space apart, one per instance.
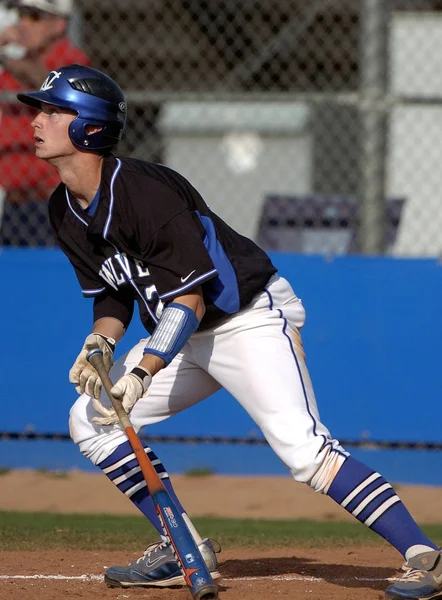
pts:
pixel 151 563
pixel 184 279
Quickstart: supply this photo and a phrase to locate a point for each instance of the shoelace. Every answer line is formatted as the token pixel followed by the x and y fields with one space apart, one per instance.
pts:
pixel 412 574
pixel 151 549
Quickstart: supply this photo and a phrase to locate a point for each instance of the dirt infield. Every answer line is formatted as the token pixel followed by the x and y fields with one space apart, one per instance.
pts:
pixel 247 574
pixel 270 574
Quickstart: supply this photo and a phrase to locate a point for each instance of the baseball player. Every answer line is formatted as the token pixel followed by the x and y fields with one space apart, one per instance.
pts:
pixel 216 312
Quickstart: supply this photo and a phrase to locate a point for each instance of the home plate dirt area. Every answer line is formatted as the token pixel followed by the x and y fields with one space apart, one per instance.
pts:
pixel 270 574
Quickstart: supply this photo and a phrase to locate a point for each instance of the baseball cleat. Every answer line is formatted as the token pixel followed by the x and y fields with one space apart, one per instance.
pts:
pixel 422 578
pixel 158 567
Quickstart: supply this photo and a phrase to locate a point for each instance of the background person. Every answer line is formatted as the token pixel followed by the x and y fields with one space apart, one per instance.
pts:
pixel 29 48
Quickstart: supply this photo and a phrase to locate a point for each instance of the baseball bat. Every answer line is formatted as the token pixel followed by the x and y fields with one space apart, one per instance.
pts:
pixel 192 565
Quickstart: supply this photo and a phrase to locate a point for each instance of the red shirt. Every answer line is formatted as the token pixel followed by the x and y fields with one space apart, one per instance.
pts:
pixel 20 170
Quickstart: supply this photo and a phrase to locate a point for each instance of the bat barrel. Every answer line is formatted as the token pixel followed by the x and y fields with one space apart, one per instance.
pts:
pixel 195 571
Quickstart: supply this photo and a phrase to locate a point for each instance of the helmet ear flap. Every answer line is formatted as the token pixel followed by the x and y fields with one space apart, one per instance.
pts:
pixel 78 133
pixel 109 134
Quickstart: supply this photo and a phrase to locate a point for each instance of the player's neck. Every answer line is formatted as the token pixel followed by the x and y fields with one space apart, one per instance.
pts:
pixel 82 177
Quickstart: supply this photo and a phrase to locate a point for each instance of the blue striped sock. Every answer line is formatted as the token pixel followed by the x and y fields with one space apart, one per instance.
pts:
pixel 123 470
pixel 371 499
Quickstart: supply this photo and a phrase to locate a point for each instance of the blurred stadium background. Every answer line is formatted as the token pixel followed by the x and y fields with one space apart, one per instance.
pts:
pixel 312 127
pixel 320 118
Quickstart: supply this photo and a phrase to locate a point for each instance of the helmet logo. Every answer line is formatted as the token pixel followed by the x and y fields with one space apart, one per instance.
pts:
pixel 122 106
pixel 48 82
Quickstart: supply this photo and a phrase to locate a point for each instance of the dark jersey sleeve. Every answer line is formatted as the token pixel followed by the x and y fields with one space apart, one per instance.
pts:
pixel 119 305
pixel 177 256
pixel 91 285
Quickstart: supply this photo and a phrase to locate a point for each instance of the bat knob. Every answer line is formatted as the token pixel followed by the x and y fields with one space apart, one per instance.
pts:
pixel 94 352
pixel 207 592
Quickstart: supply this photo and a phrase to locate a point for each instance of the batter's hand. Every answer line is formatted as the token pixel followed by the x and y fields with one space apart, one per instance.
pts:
pixel 83 374
pixel 128 390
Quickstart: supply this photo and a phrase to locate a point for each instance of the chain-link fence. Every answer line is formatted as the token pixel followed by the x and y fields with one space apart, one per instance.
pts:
pixel 308 126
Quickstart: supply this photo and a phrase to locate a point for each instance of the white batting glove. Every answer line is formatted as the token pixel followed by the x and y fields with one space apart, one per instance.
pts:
pixel 83 374
pixel 128 390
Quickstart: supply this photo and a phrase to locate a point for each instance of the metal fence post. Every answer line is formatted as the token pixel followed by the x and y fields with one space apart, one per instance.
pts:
pixel 373 82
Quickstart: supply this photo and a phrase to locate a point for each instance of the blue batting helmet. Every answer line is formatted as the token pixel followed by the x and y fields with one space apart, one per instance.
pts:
pixel 96 98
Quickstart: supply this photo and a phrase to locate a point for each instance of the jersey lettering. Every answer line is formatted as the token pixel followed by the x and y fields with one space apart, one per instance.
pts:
pixel 108 273
pixel 117 270
pixel 124 263
pixel 142 271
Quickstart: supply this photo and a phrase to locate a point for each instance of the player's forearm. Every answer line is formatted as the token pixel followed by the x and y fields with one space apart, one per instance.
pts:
pixel 152 363
pixel 193 301
pixel 110 327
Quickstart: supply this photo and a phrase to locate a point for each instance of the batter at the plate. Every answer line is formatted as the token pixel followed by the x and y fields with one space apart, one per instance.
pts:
pixel 216 312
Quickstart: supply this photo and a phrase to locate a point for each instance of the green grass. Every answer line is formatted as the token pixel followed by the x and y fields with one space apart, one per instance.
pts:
pixel 199 472
pixel 38 531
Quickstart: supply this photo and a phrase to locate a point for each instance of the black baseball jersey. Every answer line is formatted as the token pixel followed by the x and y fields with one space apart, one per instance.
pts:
pixel 150 237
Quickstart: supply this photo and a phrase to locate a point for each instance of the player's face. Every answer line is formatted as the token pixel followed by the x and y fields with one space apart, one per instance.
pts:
pixel 51 137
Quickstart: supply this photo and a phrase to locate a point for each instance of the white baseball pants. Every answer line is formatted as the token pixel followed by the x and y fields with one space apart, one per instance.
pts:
pixel 257 356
